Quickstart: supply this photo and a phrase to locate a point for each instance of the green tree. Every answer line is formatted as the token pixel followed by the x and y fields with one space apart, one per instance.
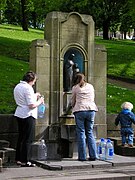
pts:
pixel 24 10
pixel 2 9
pixel 16 13
pixel 106 13
pixel 12 12
pixel 37 12
pixel 132 13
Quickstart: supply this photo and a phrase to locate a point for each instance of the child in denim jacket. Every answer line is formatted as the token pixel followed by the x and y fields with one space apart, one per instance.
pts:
pixel 125 118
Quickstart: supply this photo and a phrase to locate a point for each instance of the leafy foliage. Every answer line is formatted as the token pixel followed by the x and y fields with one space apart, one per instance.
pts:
pixel 108 15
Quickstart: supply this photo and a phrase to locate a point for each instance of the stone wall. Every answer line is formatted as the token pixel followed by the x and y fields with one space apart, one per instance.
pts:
pixel 9 130
pixel 112 129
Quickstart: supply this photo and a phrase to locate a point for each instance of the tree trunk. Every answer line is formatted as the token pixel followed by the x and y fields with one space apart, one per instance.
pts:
pixel 0 17
pixel 105 30
pixel 134 32
pixel 34 18
pixel 114 32
pixel 24 15
pixel 125 34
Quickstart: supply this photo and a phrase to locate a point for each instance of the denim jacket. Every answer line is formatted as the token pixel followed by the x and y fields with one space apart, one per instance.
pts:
pixel 125 118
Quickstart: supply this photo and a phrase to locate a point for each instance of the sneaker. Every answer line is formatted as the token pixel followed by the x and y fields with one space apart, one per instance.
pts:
pixel 130 145
pixel 18 163
pixel 28 164
pixel 124 145
pixel 81 159
pixel 92 159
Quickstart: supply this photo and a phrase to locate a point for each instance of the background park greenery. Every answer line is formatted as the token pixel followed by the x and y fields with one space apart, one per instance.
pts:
pixel 108 15
pixel 14 62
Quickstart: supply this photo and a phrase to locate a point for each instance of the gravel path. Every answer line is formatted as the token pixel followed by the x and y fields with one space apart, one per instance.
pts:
pixel 120 83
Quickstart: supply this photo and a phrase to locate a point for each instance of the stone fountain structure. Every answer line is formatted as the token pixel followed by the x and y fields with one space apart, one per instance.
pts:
pixel 67 37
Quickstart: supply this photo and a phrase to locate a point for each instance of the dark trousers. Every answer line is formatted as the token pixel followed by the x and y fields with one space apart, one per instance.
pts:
pixel 26 128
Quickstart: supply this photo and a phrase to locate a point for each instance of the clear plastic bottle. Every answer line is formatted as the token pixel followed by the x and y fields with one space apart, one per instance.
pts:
pixel 109 150
pixel 98 150
pixel 102 149
pixel 41 111
pixel 42 153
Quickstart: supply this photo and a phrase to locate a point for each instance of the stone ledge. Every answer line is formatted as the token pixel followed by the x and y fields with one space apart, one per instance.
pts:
pixel 1 168
pixel 7 155
pixel 125 151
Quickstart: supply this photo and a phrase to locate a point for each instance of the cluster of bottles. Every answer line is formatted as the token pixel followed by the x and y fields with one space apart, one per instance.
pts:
pixel 105 149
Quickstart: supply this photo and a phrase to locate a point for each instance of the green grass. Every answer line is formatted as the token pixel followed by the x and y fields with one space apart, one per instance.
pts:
pixel 15 43
pixel 11 72
pixel 120 63
pixel 116 96
pixel 121 57
pixel 14 57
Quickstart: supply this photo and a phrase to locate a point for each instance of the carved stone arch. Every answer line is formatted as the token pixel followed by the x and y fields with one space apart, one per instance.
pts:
pixel 80 60
pixel 79 16
pixel 77 46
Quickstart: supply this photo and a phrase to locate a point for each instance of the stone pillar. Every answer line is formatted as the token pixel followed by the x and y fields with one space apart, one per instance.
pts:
pixel 40 64
pixel 99 81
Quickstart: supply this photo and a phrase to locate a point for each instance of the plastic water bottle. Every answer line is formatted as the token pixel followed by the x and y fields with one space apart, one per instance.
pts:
pixel 42 156
pixel 109 150
pixel 102 149
pixel 41 111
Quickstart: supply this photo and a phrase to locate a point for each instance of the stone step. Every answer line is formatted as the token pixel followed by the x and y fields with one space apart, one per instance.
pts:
pixel 124 151
pixel 120 150
pixel 116 140
pixel 4 144
pixel 70 164
pixel 7 155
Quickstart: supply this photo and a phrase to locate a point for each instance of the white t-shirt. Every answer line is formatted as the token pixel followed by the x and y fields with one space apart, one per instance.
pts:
pixel 24 95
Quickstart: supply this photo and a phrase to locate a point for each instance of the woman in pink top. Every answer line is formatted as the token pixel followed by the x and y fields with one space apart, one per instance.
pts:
pixel 84 109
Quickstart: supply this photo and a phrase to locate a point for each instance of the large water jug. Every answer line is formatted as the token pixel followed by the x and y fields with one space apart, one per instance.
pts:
pixel 42 152
pixel 109 150
pixel 38 151
pixel 102 149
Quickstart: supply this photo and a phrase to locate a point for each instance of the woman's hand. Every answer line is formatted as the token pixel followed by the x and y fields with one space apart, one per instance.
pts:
pixel 39 101
pixel 38 95
pixel 42 99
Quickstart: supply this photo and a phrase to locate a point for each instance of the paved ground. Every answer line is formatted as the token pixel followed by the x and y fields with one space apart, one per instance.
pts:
pixel 121 83
pixel 120 167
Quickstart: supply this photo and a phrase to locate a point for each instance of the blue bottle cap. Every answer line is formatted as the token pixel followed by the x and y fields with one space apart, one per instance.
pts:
pixel 108 140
